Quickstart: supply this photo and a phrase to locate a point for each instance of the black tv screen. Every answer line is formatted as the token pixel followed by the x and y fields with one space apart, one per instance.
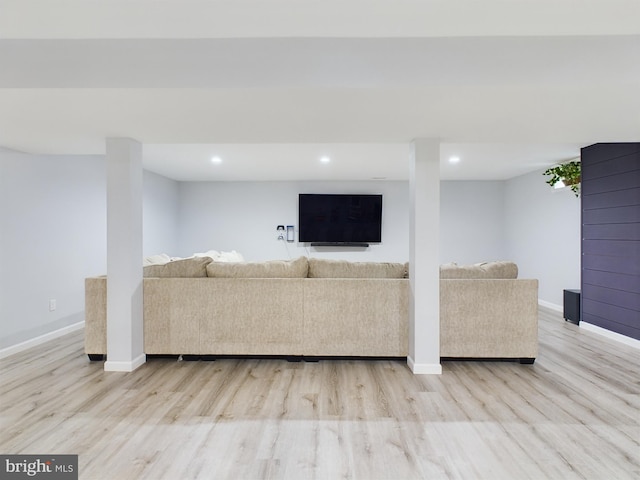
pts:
pixel 339 218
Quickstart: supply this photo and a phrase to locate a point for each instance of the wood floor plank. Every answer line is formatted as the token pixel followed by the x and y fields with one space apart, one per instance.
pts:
pixel 574 414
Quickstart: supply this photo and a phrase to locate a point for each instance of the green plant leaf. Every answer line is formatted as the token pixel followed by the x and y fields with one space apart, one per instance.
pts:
pixel 569 173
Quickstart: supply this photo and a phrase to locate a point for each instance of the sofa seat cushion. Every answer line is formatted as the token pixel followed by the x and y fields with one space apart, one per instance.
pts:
pixel 320 268
pixel 496 270
pixel 297 268
pixel 186 268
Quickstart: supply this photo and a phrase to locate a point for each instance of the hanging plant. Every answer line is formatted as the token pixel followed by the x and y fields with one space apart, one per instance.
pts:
pixel 567 173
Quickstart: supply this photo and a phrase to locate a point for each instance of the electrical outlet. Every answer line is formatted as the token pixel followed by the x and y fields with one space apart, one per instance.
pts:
pixel 52 304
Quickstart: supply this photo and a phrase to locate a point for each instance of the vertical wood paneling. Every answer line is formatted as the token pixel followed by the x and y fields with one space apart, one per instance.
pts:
pixel 612 296
pixel 611 237
pixel 601 216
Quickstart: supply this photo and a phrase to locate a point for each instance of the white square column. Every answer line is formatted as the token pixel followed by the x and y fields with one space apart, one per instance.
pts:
pixel 424 264
pixel 125 346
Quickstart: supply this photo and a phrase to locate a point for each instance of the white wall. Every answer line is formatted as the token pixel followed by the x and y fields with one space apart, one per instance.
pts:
pixel 160 214
pixel 243 216
pixel 52 236
pixel 472 222
pixel 543 234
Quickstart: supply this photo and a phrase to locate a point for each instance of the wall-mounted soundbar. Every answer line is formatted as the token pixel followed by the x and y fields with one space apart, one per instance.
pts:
pixel 339 244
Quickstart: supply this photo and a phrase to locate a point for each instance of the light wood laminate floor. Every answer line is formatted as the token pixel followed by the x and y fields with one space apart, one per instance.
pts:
pixel 573 414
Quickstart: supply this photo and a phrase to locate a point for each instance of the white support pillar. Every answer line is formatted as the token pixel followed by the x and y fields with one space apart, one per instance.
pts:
pixel 424 270
pixel 125 348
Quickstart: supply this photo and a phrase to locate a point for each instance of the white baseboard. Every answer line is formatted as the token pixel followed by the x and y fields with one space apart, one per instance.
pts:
pixel 34 342
pixel 424 368
pixel 115 366
pixel 552 306
pixel 589 327
pixel 632 342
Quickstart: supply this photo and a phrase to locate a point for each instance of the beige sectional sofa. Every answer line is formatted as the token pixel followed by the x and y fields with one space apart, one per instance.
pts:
pixel 314 307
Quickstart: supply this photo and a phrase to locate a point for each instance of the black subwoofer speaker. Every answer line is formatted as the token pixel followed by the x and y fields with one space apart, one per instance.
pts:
pixel 572 306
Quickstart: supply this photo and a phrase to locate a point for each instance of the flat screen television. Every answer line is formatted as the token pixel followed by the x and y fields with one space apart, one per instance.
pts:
pixel 339 219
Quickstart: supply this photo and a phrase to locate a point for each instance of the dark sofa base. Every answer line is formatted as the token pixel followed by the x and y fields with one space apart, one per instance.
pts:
pixel 522 360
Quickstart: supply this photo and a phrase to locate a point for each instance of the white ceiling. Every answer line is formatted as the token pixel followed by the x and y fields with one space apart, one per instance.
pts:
pixel 349 161
pixel 271 99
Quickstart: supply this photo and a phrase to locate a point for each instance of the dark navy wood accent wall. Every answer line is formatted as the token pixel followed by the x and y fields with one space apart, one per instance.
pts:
pixel 610 195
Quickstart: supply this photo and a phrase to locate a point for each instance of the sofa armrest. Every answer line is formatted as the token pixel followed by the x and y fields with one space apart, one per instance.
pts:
pixel 95 315
pixel 489 318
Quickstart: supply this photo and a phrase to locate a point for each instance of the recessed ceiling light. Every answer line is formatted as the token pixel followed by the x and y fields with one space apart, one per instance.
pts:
pixel 216 159
pixel 454 159
pixel 325 159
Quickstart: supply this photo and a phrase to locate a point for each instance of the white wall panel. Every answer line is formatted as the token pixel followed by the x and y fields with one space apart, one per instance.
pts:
pixel 52 236
pixel 543 234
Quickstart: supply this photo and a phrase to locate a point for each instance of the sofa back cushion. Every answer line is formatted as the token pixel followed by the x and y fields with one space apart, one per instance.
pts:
pixel 185 268
pixel 320 268
pixel 270 269
pixel 496 270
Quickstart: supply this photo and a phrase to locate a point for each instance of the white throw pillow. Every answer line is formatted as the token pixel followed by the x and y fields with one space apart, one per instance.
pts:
pixel 231 256
pixel 217 256
pixel 159 259
pixel 214 254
